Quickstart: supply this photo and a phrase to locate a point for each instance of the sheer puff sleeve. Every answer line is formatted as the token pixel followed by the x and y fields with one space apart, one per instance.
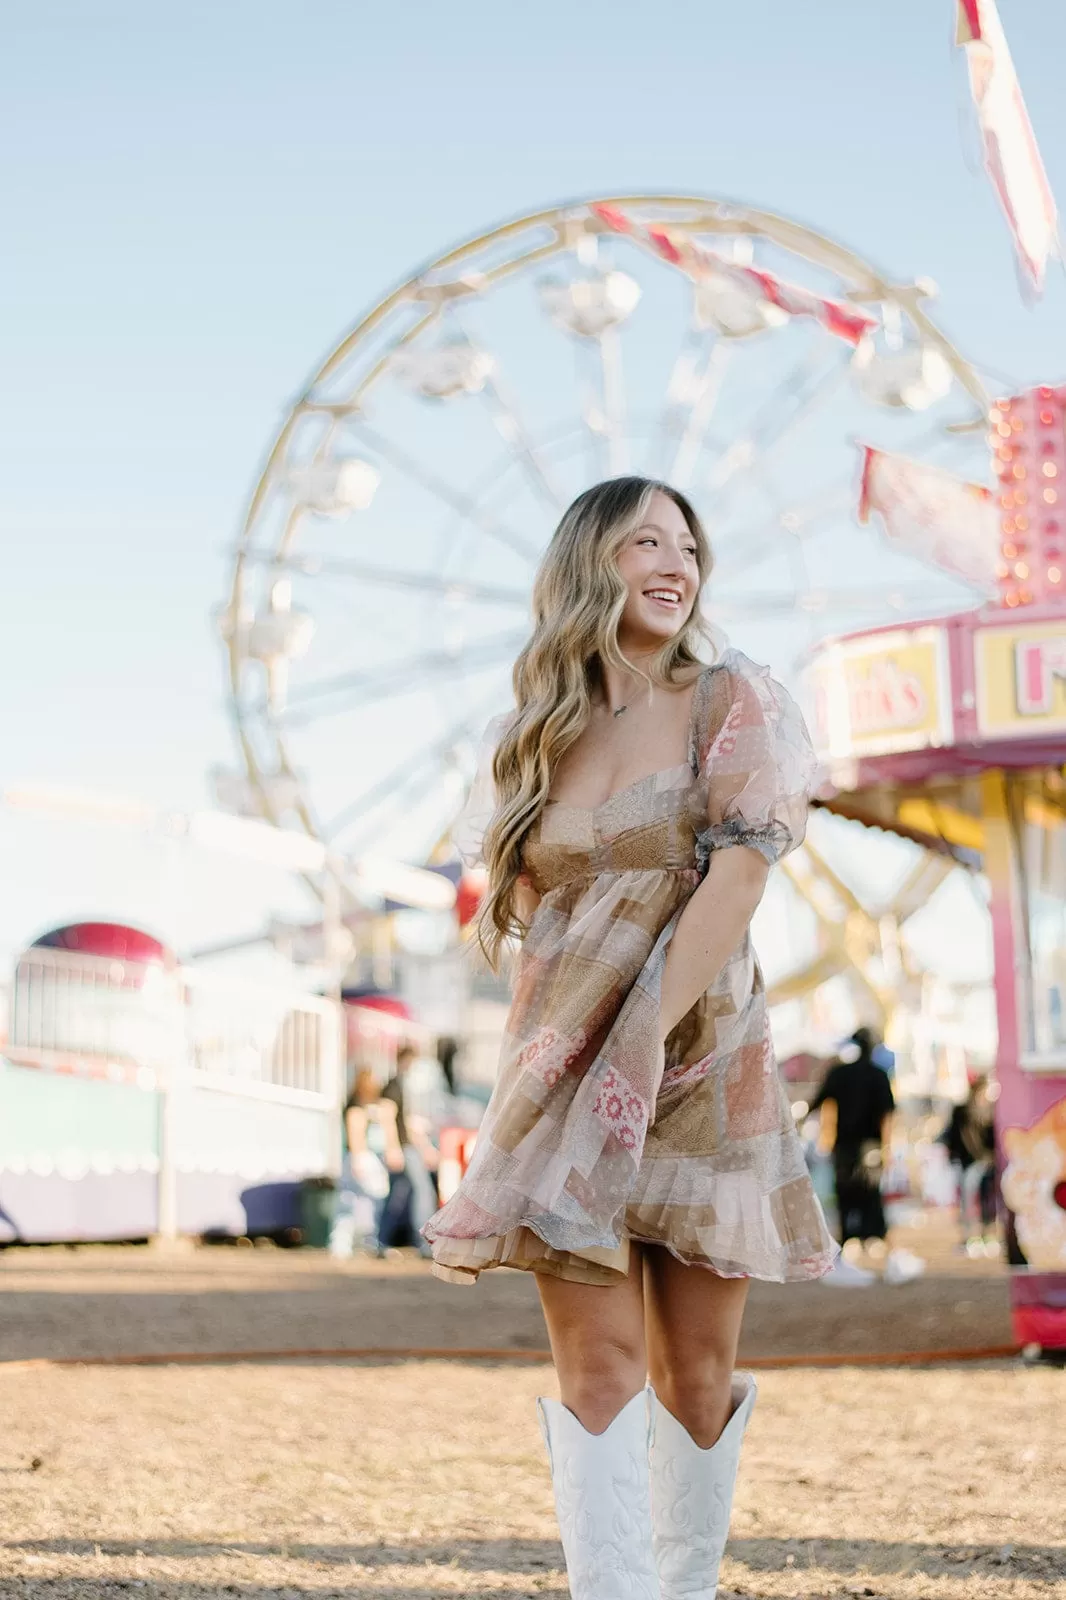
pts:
pixel 468 829
pixel 755 760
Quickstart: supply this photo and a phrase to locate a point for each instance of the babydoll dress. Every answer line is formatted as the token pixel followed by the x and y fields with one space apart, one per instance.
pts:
pixel 595 1134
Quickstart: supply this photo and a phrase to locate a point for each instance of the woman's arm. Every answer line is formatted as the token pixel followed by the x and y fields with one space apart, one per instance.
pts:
pixel 355 1127
pixel 710 929
pixel 827 1126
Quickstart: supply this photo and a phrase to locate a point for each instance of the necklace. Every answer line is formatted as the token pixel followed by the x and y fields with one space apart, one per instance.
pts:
pixel 618 713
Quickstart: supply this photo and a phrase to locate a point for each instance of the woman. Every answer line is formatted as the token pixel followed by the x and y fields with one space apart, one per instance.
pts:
pixel 373 1156
pixel 638 1153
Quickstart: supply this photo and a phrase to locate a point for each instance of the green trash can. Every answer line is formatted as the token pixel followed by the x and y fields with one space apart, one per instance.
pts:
pixel 317 1200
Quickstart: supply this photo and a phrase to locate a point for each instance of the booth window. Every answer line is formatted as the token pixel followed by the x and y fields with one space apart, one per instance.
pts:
pixel 1038 823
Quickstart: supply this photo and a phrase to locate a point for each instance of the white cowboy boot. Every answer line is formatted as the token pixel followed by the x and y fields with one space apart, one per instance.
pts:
pixel 692 1495
pixel 603 1501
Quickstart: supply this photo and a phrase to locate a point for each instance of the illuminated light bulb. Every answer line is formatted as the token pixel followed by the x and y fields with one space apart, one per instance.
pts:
pixel 1016 425
pixel 1006 501
pixel 1004 452
pixel 1050 497
pixel 1002 405
pixel 1047 418
pixel 1010 551
pixel 1008 525
pixel 1018 471
pixel 1003 430
pixel 1054 575
pixel 1022 524
pixel 1020 497
pixel 1050 470
pixel 1021 570
pixel 1011 598
pixel 1025 597
pixel 1002 571
pixel 1046 394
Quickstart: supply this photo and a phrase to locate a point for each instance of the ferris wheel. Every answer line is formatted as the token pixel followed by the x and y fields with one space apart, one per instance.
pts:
pixel 380 584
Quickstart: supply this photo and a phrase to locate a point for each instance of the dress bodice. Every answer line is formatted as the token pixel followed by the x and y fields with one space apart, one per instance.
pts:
pixel 649 826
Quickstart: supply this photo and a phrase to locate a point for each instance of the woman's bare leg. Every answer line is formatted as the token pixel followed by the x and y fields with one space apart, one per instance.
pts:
pixel 692 1320
pixel 597 1341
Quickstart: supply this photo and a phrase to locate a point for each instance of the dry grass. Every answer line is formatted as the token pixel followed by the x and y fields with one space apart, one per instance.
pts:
pixel 411 1481
pixel 405 1482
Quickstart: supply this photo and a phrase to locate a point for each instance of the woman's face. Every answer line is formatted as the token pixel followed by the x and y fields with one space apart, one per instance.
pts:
pixel 658 568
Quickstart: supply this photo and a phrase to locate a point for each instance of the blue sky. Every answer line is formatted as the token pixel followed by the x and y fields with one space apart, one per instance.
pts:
pixel 200 199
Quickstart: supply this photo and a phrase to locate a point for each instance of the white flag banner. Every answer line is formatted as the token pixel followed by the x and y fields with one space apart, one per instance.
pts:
pixel 933 515
pixel 1012 156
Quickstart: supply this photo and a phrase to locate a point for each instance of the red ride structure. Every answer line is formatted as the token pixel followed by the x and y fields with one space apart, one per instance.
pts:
pixel 953 733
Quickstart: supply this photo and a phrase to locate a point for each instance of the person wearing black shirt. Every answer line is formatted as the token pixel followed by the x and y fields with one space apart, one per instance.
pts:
pixel 970 1141
pixel 856 1103
pixel 412 1195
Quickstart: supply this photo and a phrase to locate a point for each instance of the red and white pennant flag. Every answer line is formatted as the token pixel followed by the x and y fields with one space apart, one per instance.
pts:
pixel 844 321
pixel 1012 156
pixel 929 513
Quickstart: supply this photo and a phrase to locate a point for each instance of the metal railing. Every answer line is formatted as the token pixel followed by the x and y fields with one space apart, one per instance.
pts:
pixel 94 1009
pixel 96 1014
pixel 257 1039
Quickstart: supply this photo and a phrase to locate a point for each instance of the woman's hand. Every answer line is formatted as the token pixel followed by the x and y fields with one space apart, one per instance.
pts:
pixel 526 900
pixel 710 928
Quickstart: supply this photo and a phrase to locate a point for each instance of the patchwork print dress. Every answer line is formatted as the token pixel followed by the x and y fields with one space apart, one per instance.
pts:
pixel 595 1134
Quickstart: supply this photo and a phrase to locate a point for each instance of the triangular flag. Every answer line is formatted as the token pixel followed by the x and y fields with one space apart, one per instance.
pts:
pixel 931 514
pixel 1012 157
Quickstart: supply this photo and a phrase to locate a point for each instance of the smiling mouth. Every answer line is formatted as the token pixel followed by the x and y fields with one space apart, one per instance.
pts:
pixel 664 597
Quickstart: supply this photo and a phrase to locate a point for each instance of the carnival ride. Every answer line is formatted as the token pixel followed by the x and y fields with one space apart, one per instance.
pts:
pixel 952 733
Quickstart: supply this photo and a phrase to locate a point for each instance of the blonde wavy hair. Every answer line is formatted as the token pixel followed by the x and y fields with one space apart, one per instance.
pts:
pixel 578 601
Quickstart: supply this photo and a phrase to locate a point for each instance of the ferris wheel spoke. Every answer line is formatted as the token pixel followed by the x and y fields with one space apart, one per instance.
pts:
pixel 469 726
pixel 706 389
pixel 313 565
pixel 749 546
pixel 794 403
pixel 397 678
pixel 511 427
pixel 499 397
pixel 420 784
pixel 455 499
pixel 609 345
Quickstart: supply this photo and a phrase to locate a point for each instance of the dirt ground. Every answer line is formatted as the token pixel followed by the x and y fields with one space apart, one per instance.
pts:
pixel 413 1480
pixel 134 1300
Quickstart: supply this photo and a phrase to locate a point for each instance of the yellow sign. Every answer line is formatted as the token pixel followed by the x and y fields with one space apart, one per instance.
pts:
pixel 1021 680
pixel 881 693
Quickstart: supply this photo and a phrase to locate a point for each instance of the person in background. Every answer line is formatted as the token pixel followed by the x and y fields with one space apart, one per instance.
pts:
pixel 970 1141
pixel 412 1197
pixel 856 1105
pixel 372 1151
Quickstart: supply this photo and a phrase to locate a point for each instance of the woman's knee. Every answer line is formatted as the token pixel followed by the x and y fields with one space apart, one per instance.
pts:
pixel 597 1380
pixel 698 1391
